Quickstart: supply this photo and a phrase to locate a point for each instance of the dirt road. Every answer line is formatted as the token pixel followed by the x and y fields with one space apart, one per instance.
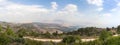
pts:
pixel 55 40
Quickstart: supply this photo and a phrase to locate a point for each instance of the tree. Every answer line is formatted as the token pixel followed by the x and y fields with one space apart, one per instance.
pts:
pixel 10 32
pixel 95 42
pixel 47 35
pixel 4 39
pixel 104 35
pixel 21 32
pixel 71 39
pixel 113 27
pixel 35 34
pixel 32 42
pixel 113 41
pixel 0 28
pixel 108 29
pixel 55 33
pixel 118 29
pixel 77 39
pixel 88 31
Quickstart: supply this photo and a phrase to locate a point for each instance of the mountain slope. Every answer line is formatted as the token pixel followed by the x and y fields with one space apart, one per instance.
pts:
pixel 39 27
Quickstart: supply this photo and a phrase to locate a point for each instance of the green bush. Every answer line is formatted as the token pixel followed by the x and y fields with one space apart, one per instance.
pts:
pixel 71 39
pixel 113 41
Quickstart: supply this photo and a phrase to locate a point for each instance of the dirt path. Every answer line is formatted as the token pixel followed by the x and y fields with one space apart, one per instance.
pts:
pixel 55 40
pixel 58 40
pixel 44 40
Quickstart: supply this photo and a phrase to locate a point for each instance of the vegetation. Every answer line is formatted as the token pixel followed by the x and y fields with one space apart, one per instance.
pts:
pixel 88 31
pixel 71 39
pixel 113 41
pixel 118 29
pixel 103 37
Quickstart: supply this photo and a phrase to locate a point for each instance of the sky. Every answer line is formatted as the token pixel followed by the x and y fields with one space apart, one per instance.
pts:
pixel 99 13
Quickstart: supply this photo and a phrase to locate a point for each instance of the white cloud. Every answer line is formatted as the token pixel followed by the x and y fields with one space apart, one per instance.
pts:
pixel 71 7
pixel 117 8
pixel 109 19
pixel 66 13
pixel 112 10
pixel 70 14
pixel 113 19
pixel 54 5
pixel 2 0
pixel 117 1
pixel 95 2
pixel 98 3
pixel 118 4
pixel 107 15
pixel 13 12
pixel 100 9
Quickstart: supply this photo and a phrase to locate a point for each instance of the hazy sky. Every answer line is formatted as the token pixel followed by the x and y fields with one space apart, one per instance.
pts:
pixel 100 13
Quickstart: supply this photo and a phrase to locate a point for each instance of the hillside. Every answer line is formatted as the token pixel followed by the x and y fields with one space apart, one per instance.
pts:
pixel 39 27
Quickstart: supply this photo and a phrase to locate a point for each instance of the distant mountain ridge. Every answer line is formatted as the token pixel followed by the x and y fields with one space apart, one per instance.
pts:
pixel 39 27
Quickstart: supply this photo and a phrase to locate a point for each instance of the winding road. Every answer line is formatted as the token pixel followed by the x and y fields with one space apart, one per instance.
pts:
pixel 54 40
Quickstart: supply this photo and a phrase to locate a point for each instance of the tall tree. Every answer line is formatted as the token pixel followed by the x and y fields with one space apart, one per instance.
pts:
pixel 47 35
pixel 104 35
pixel 113 41
pixel 0 28
pixel 118 29
pixel 55 33
pixel 9 31
pixel 21 32
pixel 71 39
pixel 108 29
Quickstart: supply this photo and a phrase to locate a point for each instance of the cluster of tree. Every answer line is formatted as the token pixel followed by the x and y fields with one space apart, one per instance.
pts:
pixel 9 37
pixel 88 31
pixel 52 35
pixel 93 31
pixel 118 29
pixel 105 38
pixel 24 32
